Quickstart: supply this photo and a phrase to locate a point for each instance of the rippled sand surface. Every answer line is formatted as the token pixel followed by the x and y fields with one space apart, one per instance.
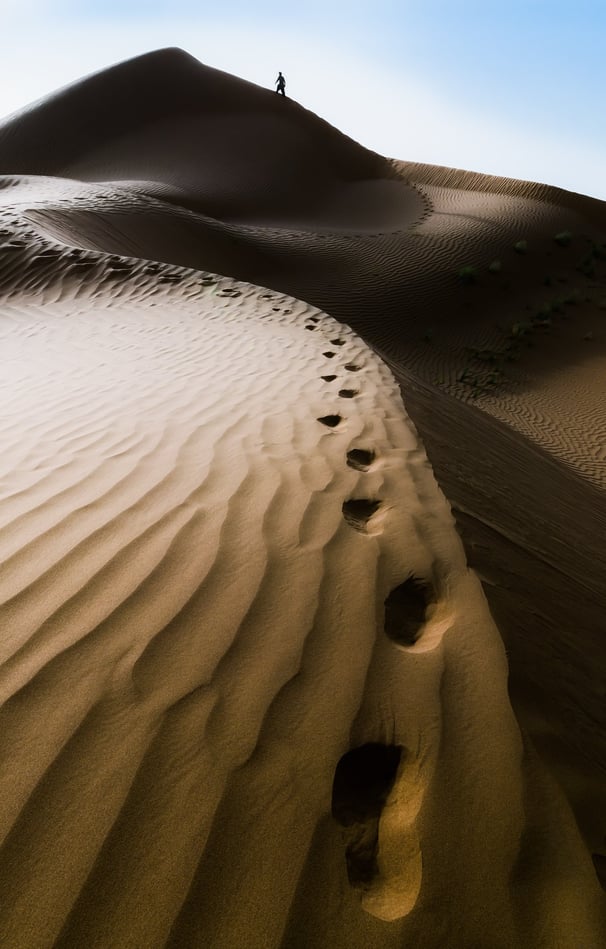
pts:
pixel 252 694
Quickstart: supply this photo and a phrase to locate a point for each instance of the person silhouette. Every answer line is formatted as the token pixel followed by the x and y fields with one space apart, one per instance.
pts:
pixel 281 84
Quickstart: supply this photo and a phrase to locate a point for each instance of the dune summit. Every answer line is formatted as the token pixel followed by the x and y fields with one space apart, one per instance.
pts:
pixel 253 694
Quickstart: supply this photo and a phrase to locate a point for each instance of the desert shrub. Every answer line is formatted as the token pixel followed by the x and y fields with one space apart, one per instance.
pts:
pixel 521 247
pixel 465 376
pixel 468 275
pixel 573 298
pixel 485 355
pixel 586 265
pixel 493 378
pixel 563 238
pixel 519 329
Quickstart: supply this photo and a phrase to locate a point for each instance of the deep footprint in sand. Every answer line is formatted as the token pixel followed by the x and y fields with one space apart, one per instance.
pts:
pixel 358 512
pixel 360 458
pixel 363 780
pixel 406 611
pixel 330 420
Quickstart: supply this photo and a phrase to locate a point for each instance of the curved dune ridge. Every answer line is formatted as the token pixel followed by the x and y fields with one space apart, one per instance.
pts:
pixel 252 695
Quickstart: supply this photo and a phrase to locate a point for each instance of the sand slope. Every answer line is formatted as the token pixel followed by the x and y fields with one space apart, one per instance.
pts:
pixel 214 508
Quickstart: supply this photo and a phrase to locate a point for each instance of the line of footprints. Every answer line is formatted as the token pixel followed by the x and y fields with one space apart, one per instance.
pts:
pixel 406 606
pixel 356 511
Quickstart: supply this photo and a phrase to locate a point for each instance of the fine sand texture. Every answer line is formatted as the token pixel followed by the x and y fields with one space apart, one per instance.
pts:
pixel 252 693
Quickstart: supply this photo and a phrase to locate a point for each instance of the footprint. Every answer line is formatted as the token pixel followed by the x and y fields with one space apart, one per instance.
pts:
pixel 351 367
pixel 360 458
pixel 337 342
pixel 358 511
pixel 328 378
pixel 331 420
pixel 363 780
pixel 405 610
pixel 348 393
pixel 329 355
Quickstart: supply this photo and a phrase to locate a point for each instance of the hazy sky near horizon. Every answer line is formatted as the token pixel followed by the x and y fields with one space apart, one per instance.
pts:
pixel 505 88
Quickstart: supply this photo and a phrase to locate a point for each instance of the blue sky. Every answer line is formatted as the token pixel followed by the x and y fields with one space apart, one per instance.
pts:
pixel 510 88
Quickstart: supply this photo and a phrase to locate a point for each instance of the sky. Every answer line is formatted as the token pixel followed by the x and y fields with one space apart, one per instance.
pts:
pixel 510 88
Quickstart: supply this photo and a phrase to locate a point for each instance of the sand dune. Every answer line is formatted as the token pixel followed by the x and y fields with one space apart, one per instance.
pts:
pixel 252 693
pixel 305 210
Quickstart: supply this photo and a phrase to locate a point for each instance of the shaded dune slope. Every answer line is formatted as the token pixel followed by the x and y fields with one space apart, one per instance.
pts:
pixel 110 489
pixel 532 529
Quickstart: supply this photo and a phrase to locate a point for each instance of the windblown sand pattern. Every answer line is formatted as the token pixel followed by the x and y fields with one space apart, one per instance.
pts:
pixel 252 695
